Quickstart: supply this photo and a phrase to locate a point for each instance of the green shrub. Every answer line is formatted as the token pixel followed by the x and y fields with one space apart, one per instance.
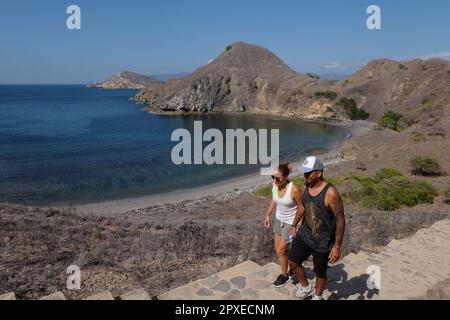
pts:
pixel 389 189
pixel 330 95
pixel 352 110
pixel 425 166
pixel 387 173
pixel 390 120
pixel 402 67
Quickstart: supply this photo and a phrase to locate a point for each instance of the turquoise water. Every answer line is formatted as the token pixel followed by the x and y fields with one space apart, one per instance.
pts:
pixel 62 145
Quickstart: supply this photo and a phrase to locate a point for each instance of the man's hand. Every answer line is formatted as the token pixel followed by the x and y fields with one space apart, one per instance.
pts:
pixel 335 254
pixel 267 222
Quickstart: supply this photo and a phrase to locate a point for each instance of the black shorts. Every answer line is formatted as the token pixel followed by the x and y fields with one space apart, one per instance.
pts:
pixel 300 252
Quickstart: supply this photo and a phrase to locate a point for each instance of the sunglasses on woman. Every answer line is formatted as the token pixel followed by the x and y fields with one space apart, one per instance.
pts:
pixel 277 179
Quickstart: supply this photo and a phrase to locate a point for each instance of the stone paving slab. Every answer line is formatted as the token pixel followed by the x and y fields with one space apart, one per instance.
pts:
pixel 8 296
pixel 105 295
pixel 54 296
pixel 138 294
pixel 409 267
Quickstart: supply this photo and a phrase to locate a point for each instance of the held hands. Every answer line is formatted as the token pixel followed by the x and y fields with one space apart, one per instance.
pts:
pixel 335 254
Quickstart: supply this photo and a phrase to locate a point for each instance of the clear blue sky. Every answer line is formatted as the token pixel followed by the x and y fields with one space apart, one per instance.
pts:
pixel 156 36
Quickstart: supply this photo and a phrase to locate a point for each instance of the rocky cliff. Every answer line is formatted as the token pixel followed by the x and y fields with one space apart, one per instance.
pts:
pixel 244 78
pixel 248 78
pixel 127 80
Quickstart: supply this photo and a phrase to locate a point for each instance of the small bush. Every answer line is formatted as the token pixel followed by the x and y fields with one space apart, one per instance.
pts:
pixel 425 166
pixel 402 67
pixel 390 190
pixel 314 76
pixel 361 166
pixel 390 120
pixel 352 110
pixel 330 95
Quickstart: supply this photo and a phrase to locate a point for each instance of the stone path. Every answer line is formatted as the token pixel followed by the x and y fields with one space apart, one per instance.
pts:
pixel 408 268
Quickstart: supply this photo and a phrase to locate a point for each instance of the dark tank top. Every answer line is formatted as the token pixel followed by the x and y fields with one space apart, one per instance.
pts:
pixel 319 224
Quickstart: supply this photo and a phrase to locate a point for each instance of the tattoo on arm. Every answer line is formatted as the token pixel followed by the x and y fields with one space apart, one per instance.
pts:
pixel 337 207
pixel 298 215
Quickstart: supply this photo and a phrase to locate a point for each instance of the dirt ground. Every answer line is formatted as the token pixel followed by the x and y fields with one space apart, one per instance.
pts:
pixel 165 246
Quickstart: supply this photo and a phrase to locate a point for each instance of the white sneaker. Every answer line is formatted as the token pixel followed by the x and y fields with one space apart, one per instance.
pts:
pixel 302 292
pixel 314 297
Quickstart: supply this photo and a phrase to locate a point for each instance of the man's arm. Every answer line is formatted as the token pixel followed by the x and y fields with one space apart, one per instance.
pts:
pixel 337 207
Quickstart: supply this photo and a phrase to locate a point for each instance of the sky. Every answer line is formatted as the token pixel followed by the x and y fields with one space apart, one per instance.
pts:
pixel 172 36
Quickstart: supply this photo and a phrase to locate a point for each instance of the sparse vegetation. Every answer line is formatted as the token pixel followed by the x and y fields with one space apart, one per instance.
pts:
pixel 388 190
pixel 361 166
pixel 330 95
pixel 418 137
pixel 293 96
pixel 352 110
pixel 447 194
pixel 390 120
pixel 425 166
pixel 402 67
pixel 314 76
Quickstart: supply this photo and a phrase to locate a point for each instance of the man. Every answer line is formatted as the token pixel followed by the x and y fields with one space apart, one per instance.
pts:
pixel 321 231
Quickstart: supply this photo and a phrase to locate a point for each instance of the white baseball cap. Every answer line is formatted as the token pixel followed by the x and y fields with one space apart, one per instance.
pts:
pixel 311 164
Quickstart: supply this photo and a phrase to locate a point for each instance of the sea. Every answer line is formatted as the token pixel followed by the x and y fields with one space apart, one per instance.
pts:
pixel 68 145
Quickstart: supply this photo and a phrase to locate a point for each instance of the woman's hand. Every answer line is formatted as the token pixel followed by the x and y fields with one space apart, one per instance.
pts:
pixel 292 230
pixel 267 222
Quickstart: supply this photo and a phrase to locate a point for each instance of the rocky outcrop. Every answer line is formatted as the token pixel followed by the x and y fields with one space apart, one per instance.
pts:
pixel 127 80
pixel 244 78
pixel 251 79
pixel 417 89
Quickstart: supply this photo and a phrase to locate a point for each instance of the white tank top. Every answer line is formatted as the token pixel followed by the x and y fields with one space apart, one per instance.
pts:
pixel 286 206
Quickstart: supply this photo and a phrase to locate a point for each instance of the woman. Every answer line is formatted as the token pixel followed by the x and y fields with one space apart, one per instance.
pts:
pixel 287 199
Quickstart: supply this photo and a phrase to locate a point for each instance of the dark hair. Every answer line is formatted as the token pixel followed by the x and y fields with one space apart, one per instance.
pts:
pixel 285 169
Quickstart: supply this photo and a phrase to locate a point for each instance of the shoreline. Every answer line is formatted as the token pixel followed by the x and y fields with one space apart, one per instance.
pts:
pixel 225 188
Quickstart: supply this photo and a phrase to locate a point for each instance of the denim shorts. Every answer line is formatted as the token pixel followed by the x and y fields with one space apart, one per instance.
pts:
pixel 281 228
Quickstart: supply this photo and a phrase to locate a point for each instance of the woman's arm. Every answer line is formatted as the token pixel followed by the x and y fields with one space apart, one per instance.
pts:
pixel 297 195
pixel 269 212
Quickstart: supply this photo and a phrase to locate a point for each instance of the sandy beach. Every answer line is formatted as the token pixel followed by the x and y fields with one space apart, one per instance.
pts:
pixel 226 188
